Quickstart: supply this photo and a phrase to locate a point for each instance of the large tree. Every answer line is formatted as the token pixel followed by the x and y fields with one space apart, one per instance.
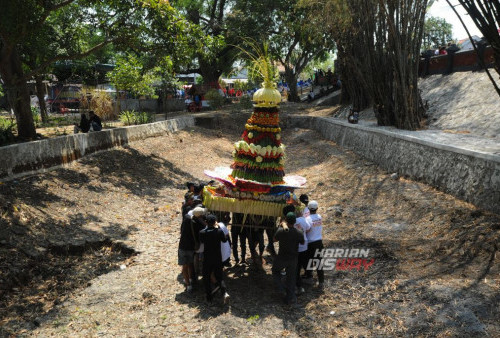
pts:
pixel 299 39
pixel 66 25
pixel 295 38
pixel 437 32
pixel 215 45
pixel 379 48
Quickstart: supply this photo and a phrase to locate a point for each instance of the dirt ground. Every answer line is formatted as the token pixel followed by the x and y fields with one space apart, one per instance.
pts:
pixel 91 249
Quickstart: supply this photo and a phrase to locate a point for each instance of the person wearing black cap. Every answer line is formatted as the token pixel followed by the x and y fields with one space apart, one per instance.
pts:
pixel 190 186
pixel 289 239
pixel 305 200
pixel 212 237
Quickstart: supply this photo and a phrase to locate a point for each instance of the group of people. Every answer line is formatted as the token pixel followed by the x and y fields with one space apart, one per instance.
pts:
pixel 205 246
pixel 300 239
pixel 92 123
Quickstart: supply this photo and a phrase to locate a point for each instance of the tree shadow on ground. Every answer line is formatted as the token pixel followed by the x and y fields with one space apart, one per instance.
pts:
pixel 254 299
pixel 45 257
pixel 141 175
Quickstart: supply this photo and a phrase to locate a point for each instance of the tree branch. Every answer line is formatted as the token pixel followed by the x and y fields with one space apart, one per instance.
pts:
pixel 45 64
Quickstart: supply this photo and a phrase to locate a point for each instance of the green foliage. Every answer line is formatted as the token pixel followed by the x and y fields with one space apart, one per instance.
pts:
pixel 131 117
pixel 261 63
pixel 215 98
pixel 241 85
pixel 130 74
pixel 1 90
pixel 144 117
pixel 253 319
pixel 199 80
pixel 326 62
pixel 37 119
pixel 7 128
pixel 437 32
pixel 35 34
pixel 127 117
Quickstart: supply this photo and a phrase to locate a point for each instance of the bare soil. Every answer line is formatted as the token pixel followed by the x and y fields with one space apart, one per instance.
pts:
pixel 91 249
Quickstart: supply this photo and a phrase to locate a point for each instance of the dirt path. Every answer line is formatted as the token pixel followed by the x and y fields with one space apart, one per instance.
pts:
pixel 91 249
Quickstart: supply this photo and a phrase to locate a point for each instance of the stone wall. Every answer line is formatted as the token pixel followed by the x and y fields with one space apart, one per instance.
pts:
pixel 171 105
pixel 30 157
pixel 140 105
pixel 469 175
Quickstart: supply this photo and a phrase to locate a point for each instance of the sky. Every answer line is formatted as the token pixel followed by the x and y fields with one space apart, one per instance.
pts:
pixel 441 9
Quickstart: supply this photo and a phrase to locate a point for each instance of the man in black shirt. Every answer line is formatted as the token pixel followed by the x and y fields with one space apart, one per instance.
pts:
pixel 95 121
pixel 190 229
pixel 289 238
pixel 211 237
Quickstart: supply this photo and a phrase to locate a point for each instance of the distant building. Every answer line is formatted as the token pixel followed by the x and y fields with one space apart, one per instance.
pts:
pixel 241 75
pixel 466 44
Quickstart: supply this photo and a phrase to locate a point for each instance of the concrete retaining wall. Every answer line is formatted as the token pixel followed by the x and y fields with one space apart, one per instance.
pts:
pixel 26 158
pixel 468 175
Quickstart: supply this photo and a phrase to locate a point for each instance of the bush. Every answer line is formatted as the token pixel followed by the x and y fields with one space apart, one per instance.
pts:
pixel 127 117
pixel 37 119
pixel 215 98
pixel 6 131
pixel 143 118
pixel 130 117
pixel 102 104
pixel 246 102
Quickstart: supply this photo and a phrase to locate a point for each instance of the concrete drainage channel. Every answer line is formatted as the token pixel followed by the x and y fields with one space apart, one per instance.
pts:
pixel 53 273
pixel 464 166
pixel 33 157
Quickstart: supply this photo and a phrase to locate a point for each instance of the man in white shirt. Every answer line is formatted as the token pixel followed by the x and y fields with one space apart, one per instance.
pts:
pixel 304 225
pixel 225 247
pixel 315 241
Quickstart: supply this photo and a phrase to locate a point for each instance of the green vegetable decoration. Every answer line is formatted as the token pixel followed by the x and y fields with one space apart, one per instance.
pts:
pixel 259 155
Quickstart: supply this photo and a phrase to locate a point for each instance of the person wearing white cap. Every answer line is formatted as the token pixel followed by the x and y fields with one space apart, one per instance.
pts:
pixel 315 241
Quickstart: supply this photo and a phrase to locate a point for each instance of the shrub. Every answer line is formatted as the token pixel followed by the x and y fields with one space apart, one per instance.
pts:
pixel 37 119
pixel 129 117
pixel 143 118
pixel 102 104
pixel 215 98
pixel 6 131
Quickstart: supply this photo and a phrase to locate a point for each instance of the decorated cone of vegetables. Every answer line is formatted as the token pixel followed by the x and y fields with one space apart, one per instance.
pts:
pixel 256 183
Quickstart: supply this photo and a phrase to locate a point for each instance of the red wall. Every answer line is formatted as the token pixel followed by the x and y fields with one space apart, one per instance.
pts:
pixel 462 61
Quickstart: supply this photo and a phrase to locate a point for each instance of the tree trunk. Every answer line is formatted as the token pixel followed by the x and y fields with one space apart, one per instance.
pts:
pixel 17 91
pixel 291 80
pixel 210 73
pixel 41 98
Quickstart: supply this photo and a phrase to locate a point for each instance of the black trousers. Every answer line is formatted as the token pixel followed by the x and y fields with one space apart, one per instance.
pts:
pixel 256 236
pixel 311 249
pixel 240 233
pixel 209 266
pixel 289 264
pixel 302 260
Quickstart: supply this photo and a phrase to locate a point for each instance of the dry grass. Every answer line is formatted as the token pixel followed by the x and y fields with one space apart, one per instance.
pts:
pixel 436 271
